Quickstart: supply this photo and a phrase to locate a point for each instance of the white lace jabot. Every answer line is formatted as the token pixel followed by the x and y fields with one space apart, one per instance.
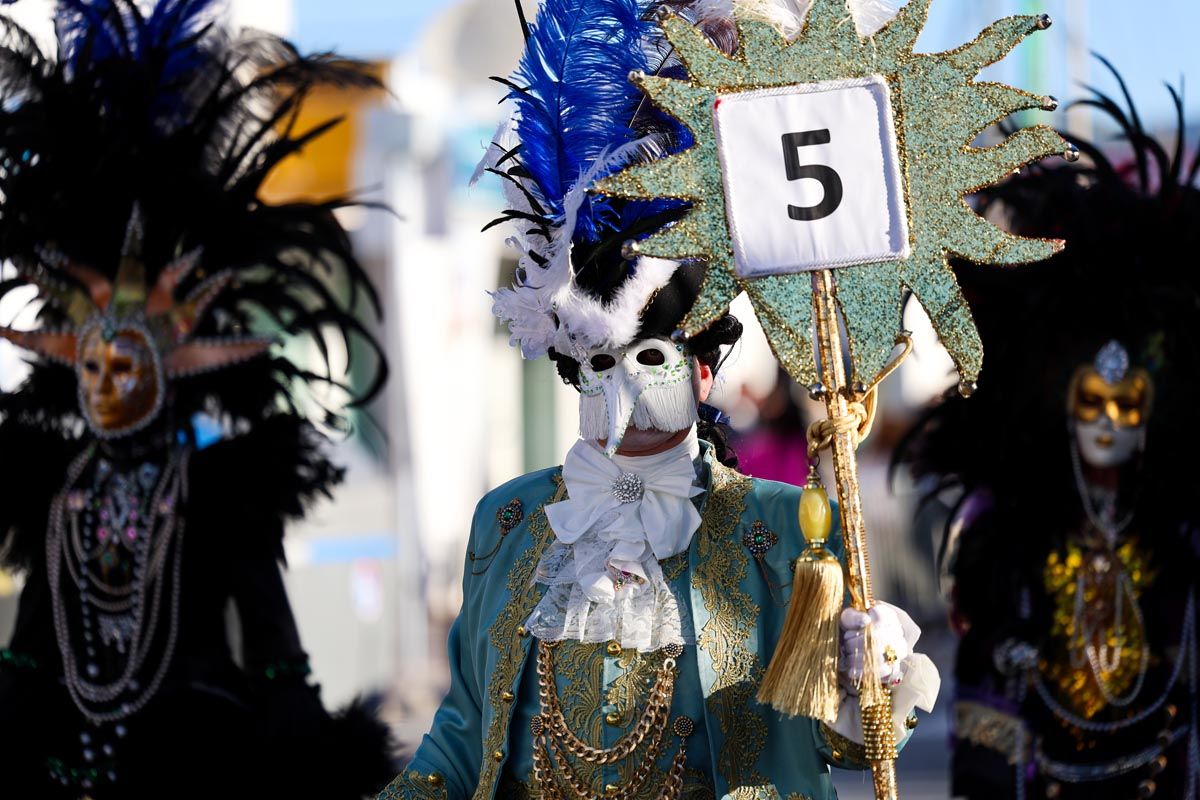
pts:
pixel 622 517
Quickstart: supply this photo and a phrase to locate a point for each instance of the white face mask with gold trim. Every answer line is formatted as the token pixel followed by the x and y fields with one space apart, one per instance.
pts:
pixel 1110 404
pixel 650 384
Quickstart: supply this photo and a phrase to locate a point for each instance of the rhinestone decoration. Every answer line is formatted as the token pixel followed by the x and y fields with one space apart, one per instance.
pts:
pixel 537 725
pixel 628 488
pixel 509 516
pixel 1112 362
pixel 938 109
pixel 673 650
pixel 759 539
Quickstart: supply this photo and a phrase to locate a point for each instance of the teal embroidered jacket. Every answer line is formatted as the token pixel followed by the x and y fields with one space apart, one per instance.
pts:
pixel 755 751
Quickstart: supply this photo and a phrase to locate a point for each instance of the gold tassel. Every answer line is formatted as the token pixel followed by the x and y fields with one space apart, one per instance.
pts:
pixel 802 677
pixel 871 691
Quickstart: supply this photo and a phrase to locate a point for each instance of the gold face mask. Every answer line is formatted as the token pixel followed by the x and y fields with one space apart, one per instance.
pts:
pixel 1126 403
pixel 120 387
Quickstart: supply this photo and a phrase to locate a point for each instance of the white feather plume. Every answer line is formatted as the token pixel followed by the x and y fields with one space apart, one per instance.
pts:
pixel 592 323
pixel 550 291
pixel 495 150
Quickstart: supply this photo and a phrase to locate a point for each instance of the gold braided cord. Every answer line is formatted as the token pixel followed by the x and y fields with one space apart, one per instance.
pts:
pixel 839 400
pixel 905 341
pixel 857 424
pixel 860 418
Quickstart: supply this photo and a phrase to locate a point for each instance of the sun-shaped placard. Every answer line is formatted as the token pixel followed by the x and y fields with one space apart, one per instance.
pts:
pixel 936 111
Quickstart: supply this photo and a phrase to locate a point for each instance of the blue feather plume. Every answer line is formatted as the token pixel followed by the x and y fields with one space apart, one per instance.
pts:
pixel 576 103
pixel 174 29
pixel 100 30
pixel 95 34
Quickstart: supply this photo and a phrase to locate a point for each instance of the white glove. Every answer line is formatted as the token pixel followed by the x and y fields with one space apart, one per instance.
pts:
pixel 913 676
pixel 893 635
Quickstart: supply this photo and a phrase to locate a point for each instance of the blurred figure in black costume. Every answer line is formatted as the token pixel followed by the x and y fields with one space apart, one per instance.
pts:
pixel 1072 549
pixel 130 166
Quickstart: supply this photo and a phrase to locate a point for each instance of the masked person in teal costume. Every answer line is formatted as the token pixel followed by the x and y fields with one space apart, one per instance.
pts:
pixel 619 612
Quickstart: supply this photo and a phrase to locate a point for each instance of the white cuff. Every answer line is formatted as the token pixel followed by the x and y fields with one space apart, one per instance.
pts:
pixel 918 689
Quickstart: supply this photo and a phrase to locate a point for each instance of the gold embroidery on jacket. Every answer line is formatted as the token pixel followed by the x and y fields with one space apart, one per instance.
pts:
pixel 721 566
pixel 413 785
pixel 695 787
pixel 637 672
pixel 504 637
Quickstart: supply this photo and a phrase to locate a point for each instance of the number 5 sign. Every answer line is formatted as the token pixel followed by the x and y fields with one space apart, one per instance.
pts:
pixel 836 152
pixel 811 176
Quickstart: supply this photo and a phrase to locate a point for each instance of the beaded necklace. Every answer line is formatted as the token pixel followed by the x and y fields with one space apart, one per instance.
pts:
pixel 114 557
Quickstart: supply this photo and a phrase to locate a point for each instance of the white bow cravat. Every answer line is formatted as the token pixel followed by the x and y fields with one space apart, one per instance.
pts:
pixel 642 505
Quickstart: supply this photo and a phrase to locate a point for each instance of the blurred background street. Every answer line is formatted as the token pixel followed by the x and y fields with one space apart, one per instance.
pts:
pixel 374 573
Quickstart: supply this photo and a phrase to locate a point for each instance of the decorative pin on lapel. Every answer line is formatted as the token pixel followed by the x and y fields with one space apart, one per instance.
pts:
pixel 758 539
pixel 508 517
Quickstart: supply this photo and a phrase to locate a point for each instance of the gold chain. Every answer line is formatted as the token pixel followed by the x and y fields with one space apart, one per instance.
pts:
pixel 552 737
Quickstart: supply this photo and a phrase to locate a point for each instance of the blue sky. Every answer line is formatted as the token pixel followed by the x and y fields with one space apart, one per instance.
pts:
pixel 1148 47
pixel 365 27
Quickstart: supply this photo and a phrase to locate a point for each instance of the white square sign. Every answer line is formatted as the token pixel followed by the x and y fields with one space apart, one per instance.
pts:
pixel 812 178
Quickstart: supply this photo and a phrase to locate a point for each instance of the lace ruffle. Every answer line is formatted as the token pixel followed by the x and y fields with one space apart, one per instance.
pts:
pixel 643 612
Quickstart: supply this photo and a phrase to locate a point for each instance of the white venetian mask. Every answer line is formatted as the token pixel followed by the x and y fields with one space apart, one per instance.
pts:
pixel 1110 403
pixel 649 384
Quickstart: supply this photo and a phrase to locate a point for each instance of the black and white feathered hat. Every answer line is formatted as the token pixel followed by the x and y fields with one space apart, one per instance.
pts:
pixel 578 119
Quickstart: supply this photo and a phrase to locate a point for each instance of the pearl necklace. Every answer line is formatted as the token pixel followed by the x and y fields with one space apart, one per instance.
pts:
pixel 127 613
pixel 1110 530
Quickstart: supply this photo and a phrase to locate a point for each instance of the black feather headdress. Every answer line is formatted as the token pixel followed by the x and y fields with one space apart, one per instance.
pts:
pixel 167 112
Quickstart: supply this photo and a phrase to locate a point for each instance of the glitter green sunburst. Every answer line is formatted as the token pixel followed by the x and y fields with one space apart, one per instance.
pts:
pixel 938 110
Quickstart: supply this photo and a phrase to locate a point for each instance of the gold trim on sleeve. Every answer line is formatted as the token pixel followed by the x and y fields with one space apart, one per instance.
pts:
pixel 414 785
pixel 721 566
pixel 507 635
pixel 844 752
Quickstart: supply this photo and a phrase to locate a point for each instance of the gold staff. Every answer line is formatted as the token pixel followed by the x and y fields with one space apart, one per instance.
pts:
pixel 936 108
pixel 875 699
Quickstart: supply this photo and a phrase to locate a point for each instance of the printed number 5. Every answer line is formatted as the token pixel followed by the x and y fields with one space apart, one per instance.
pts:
pixel 792 142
